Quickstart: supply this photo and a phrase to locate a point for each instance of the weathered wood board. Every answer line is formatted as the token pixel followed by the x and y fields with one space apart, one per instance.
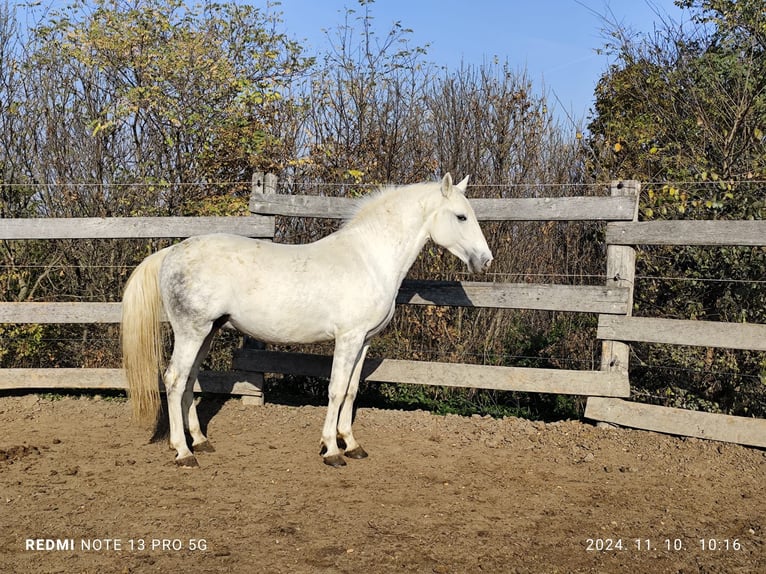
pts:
pixel 749 336
pixel 525 209
pixel 65 312
pixel 726 428
pixel 444 374
pixel 576 298
pixel 584 299
pixel 134 227
pixel 224 382
pixel 720 233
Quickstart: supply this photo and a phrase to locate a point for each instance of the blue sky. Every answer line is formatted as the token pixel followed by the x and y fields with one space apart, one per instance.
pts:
pixel 554 40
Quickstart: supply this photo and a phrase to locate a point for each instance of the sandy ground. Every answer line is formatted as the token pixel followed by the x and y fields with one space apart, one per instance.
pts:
pixel 83 490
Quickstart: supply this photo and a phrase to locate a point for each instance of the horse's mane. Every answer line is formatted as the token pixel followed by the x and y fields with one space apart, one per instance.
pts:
pixel 371 205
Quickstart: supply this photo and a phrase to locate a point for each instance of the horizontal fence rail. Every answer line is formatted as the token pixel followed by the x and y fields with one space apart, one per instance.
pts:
pixel 575 298
pixel 525 209
pixel 745 336
pixel 228 382
pixel 134 227
pixel 533 380
pixel 61 313
pixel 712 233
pixel 712 426
pixel 581 299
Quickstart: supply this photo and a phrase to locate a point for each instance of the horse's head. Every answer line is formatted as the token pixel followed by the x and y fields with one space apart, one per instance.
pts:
pixel 454 226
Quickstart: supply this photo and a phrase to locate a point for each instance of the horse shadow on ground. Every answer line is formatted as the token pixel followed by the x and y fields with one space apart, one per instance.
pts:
pixel 208 405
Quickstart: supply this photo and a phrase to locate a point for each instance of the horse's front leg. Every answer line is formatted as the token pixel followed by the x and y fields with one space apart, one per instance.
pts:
pixel 353 449
pixel 348 349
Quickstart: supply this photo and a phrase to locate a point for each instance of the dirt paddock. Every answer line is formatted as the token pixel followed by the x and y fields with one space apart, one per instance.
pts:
pixel 82 490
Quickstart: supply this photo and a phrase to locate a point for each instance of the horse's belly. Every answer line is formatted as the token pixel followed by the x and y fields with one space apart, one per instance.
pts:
pixel 301 317
pixel 285 330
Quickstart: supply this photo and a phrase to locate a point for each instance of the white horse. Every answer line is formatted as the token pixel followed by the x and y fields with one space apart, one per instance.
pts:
pixel 342 287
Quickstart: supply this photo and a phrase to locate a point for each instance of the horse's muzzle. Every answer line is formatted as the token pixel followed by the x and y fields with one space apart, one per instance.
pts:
pixel 479 263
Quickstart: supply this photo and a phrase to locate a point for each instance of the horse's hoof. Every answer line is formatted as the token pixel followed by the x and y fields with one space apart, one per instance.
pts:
pixel 203 447
pixel 187 462
pixel 357 453
pixel 335 460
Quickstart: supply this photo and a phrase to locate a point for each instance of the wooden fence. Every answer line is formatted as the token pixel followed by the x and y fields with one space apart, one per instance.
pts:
pixel 247 384
pixel 612 303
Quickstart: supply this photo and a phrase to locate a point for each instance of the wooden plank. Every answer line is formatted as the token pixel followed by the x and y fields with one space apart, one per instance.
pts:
pixel 523 209
pixel 584 299
pixel 748 336
pixel 720 233
pixel 443 374
pixel 38 312
pixel 303 205
pixel 134 227
pixel 576 298
pixel 222 382
pixel 556 209
pixel 726 428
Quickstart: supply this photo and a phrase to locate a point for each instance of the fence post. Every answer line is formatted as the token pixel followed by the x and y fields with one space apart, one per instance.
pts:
pixel 620 272
pixel 261 183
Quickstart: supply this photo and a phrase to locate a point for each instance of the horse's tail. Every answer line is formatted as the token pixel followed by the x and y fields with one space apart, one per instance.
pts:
pixel 141 336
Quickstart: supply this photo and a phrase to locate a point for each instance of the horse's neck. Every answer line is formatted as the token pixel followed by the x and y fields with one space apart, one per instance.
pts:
pixel 393 237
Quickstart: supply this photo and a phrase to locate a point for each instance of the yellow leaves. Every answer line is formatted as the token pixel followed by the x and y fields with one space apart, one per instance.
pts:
pixel 99 127
pixel 216 205
pixel 355 174
pixel 666 200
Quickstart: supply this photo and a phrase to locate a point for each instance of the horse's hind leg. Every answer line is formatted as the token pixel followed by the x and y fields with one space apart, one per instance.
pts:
pixel 200 442
pixel 185 352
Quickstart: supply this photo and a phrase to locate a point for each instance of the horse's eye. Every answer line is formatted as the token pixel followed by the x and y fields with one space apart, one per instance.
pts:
pixel 462 218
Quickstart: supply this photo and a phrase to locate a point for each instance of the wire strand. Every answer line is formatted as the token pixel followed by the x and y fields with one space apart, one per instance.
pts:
pixel 300 182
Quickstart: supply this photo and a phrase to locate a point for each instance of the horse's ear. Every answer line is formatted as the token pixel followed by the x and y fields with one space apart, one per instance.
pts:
pixel 463 184
pixel 447 185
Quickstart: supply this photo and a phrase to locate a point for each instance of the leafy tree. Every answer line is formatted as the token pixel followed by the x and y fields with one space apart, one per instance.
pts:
pixel 366 104
pixel 153 90
pixel 684 109
pixel 686 104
